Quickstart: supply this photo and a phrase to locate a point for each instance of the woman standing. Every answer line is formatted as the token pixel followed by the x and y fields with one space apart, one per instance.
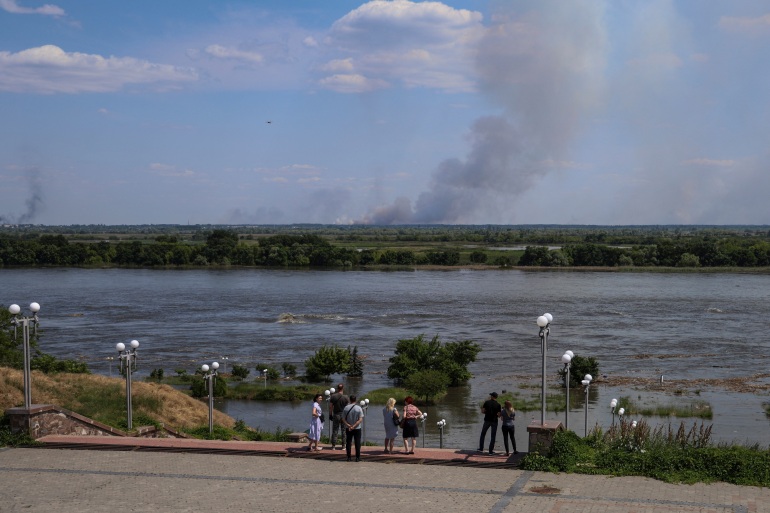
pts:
pixel 508 415
pixel 316 424
pixel 392 419
pixel 411 412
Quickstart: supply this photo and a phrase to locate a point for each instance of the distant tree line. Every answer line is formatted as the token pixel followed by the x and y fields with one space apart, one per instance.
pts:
pixel 326 246
pixel 221 247
pixel 662 253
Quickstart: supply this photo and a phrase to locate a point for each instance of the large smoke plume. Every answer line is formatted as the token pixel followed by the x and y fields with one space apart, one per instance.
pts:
pixel 544 69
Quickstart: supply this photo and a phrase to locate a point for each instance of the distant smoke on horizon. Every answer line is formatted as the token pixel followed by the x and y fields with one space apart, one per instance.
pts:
pixel 544 68
pixel 33 203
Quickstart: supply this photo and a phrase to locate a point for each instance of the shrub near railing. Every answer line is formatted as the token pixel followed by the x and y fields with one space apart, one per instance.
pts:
pixel 671 455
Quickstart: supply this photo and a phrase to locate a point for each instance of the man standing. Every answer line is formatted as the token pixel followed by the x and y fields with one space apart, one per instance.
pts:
pixel 337 403
pixel 352 417
pixel 491 411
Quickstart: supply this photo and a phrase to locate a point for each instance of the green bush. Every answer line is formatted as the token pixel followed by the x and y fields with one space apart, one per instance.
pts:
pixel 240 372
pixel 8 439
pixel 200 387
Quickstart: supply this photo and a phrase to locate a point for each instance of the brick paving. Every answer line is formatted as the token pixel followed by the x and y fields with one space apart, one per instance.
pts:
pixel 192 475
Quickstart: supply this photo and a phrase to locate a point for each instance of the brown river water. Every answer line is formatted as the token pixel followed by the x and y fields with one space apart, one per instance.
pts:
pixel 705 333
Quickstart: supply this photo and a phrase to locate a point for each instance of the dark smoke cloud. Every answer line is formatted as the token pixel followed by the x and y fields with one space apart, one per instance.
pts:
pixel 544 69
pixel 33 202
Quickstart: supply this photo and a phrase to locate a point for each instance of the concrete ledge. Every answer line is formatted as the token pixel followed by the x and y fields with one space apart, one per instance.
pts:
pixel 298 437
pixel 47 419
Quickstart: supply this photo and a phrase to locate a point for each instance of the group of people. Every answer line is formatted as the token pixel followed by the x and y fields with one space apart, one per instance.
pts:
pixel 345 413
pixel 347 417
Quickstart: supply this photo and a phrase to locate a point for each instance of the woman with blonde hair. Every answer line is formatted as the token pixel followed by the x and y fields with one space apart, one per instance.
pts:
pixel 392 419
pixel 508 415
pixel 411 412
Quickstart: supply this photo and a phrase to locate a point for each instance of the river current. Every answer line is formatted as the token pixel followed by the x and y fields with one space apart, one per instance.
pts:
pixel 681 326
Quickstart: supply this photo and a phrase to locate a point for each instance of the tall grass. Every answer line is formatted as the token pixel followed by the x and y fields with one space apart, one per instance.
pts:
pixel 667 453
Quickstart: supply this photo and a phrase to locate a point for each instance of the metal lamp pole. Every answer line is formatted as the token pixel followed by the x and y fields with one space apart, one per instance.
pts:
pixel 544 321
pixel 587 383
pixel 127 367
pixel 364 404
pixel 441 423
pixel 25 322
pixel 613 405
pixel 422 419
pixel 566 359
pixel 210 376
pixel 328 394
pixel 264 371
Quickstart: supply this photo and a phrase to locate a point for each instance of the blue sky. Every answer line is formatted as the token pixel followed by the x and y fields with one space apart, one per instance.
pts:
pixel 385 112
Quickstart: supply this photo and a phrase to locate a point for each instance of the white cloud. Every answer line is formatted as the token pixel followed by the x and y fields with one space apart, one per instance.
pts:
pixel 13 7
pixel 49 69
pixel 416 44
pixel 337 65
pixel 223 52
pixel 745 25
pixel 352 83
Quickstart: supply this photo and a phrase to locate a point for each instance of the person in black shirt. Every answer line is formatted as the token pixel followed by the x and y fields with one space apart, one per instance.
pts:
pixel 337 403
pixel 491 411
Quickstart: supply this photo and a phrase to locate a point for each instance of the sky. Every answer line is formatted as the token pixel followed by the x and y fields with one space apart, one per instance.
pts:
pixel 609 112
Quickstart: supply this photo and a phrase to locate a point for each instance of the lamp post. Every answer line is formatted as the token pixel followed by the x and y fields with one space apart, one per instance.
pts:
pixel 441 423
pixel 364 404
pixel 621 412
pixel 544 322
pixel 209 374
pixel 587 383
pixel 328 394
pixel 17 320
pixel 613 405
pixel 110 359
pixel 224 364
pixel 566 359
pixel 264 371
pixel 127 367
pixel 422 419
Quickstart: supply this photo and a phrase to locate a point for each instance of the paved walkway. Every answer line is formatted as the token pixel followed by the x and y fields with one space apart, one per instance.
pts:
pixel 130 478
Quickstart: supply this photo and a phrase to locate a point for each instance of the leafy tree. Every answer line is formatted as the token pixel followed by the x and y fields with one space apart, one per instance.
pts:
pixel 240 372
pixel 289 370
pixel 200 387
pixel 427 383
pixel 478 257
pixel 688 260
pixel 356 363
pixel 157 374
pixel 220 245
pixel 417 354
pixel 272 372
pixel 327 361
pixel 579 367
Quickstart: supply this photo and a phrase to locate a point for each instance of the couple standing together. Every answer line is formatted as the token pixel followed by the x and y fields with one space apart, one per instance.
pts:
pixel 344 412
pixel 493 412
